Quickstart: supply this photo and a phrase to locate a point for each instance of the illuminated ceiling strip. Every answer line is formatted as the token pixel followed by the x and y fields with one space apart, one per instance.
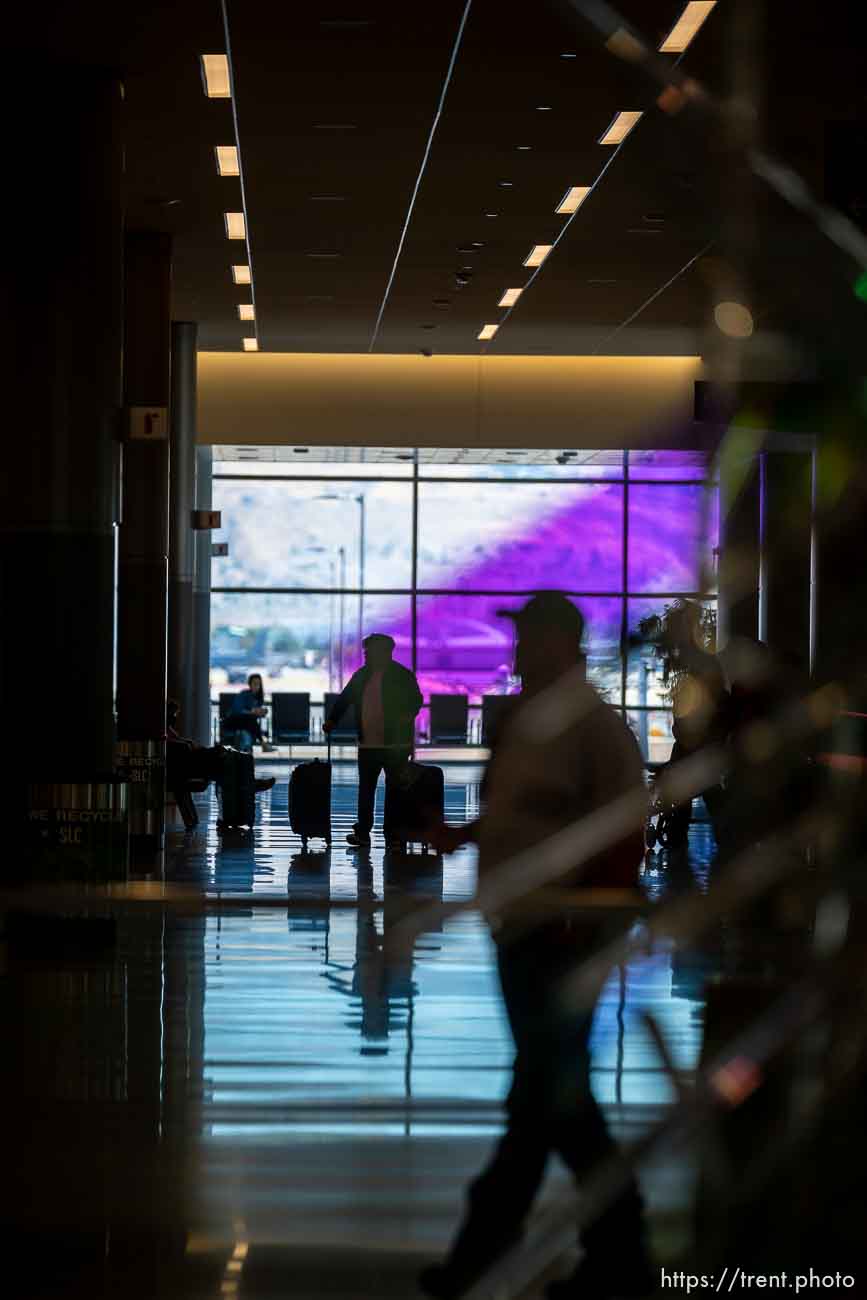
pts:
pixel 487 332
pixel 215 76
pixel 236 225
pixel 246 311
pixel 437 115
pixel 510 297
pixel 566 224
pixel 227 160
pixel 572 199
pixel 537 254
pixel 248 344
pixel 241 274
pixel 687 26
pixel 620 128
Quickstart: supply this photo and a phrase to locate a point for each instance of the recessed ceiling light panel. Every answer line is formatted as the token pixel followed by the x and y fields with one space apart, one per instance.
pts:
pixel 236 227
pixel 250 345
pixel 246 311
pixel 510 297
pixel 215 76
pixel 687 26
pixel 487 332
pixel 537 254
pixel 241 274
pixel 227 160
pixel 620 128
pixel 572 199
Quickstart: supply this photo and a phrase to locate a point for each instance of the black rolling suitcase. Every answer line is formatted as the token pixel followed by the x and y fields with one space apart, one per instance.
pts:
pixel 237 790
pixel 310 800
pixel 414 799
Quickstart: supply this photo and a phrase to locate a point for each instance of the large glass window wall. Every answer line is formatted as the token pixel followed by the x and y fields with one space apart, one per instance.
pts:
pixel 432 551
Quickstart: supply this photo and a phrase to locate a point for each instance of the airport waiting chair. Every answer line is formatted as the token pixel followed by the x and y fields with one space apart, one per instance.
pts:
pixel 290 717
pixel 493 708
pixel 238 739
pixel 449 717
pixel 346 730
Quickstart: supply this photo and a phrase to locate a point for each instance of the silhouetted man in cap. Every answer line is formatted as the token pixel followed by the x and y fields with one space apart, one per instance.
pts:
pixel 561 753
pixel 386 698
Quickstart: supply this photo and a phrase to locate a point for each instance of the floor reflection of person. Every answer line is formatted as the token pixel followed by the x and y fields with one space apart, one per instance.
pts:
pixel 380 977
pixel 537 783
pixel 387 699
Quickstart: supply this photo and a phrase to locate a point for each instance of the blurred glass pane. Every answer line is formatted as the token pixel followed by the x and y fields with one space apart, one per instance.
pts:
pixel 668 464
pixel 291 534
pixel 295 641
pixel 668 536
pixel 520 537
pixel 645 685
pixel 644 666
pixel 581 466
pixel 652 730
pixel 258 468
pixel 464 648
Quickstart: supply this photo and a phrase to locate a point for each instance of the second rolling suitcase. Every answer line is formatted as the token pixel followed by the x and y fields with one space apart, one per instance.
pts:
pixel 237 790
pixel 310 801
pixel 414 799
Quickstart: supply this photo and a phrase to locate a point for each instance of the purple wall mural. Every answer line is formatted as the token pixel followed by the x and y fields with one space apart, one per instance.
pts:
pixel 464 646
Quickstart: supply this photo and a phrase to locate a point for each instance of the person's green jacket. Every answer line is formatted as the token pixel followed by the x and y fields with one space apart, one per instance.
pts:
pixel 401 701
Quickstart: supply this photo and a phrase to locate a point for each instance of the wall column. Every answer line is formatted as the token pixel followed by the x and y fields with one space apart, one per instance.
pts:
pixel 182 539
pixel 765 586
pixel 144 540
pixel 61 454
pixel 201 714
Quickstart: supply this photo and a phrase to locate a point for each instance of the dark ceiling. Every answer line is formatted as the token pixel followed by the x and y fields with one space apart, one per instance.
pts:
pixel 335 102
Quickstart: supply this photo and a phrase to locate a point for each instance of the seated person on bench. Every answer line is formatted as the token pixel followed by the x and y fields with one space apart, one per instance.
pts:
pixel 248 709
pixel 191 767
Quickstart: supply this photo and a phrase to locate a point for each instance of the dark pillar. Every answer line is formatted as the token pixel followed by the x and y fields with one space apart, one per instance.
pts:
pixel 182 539
pixel 202 605
pixel 766 543
pixel 144 538
pixel 786 555
pixel 59 499
pixel 739 559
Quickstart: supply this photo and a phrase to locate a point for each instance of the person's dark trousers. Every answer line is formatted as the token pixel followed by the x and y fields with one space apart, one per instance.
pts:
pixel 550 1108
pixel 371 761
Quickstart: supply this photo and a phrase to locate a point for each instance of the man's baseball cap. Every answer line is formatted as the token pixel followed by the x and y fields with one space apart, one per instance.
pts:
pixel 379 638
pixel 547 609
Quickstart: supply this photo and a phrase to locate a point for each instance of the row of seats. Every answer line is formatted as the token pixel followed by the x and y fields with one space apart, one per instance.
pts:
pixel 449 718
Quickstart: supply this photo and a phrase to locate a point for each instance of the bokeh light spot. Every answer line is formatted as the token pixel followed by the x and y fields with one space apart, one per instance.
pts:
pixel 734 320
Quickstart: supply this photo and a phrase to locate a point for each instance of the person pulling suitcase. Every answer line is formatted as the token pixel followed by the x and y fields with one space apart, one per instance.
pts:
pixel 387 699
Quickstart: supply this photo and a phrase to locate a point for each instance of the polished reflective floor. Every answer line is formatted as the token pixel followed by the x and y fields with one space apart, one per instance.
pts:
pixel 276 1087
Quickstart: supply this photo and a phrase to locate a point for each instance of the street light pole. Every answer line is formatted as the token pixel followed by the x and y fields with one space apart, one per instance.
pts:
pixel 360 500
pixel 342 573
pixel 331 626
